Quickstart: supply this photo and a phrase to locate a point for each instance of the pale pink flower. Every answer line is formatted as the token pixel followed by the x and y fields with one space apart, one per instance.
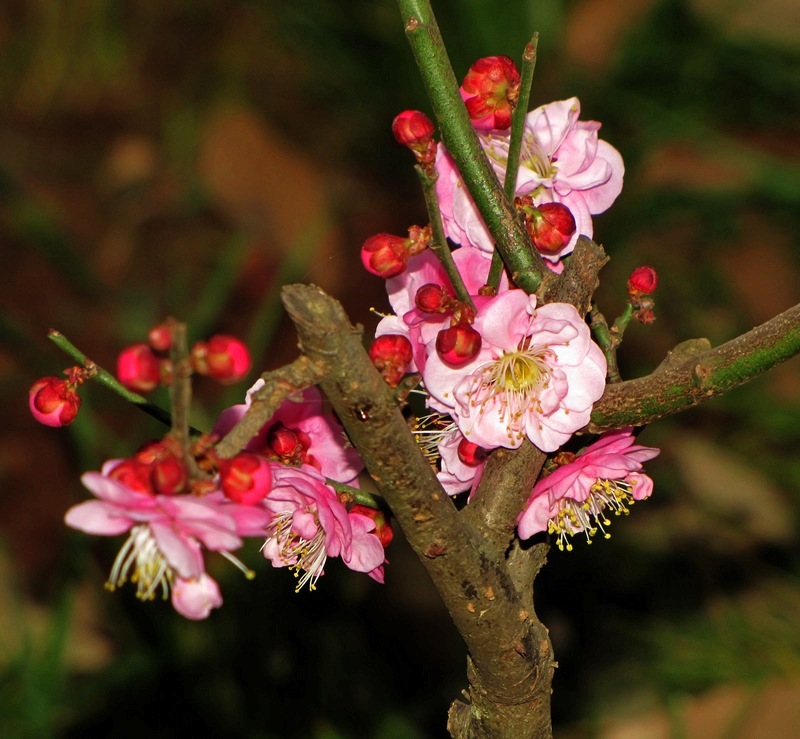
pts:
pixel 575 497
pixel 321 438
pixel 455 476
pixel 166 536
pixel 562 161
pixel 537 375
pixel 308 524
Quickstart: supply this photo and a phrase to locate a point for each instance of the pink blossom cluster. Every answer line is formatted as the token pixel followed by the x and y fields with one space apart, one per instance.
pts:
pixel 276 491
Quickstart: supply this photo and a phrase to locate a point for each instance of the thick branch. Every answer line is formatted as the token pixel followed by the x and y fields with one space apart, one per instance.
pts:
pixel 476 590
pixel 692 373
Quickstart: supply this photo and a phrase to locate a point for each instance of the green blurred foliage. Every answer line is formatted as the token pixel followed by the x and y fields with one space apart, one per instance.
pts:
pixel 685 595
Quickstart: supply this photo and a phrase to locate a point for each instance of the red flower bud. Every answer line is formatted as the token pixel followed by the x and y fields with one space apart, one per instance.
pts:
pixel 385 255
pixel 246 478
pixel 471 454
pixel 138 369
pixel 160 338
pixel 458 345
pixel 54 401
pixel 134 475
pixel 223 358
pixel 383 529
pixel 431 298
pixel 169 475
pixel 643 281
pixel 414 129
pixel 490 91
pixel 290 446
pixel 551 226
pixel 391 354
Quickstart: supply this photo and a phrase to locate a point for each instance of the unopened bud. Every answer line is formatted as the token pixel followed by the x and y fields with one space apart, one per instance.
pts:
pixel 138 368
pixel 133 474
pixel 290 446
pixel 643 281
pixel 431 298
pixel 245 478
pixel 551 226
pixel 169 475
pixel 54 401
pixel 223 358
pixel 391 354
pixel 160 338
pixel 383 529
pixel 490 91
pixel 458 345
pixel 412 128
pixel 471 454
pixel 385 255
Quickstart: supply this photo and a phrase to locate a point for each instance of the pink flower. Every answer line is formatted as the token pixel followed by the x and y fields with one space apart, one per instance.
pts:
pixel 537 375
pixel 308 524
pixel 562 161
pixel 456 475
pixel 166 536
pixel 574 497
pixel 319 438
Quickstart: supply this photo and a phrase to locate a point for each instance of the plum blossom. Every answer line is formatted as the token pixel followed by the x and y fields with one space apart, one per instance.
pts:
pixel 575 496
pixel 308 524
pixel 167 534
pixel 319 439
pixel 537 375
pixel 562 161
pixel 455 474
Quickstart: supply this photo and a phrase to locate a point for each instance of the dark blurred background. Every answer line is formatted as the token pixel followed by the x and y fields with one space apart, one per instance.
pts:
pixel 187 158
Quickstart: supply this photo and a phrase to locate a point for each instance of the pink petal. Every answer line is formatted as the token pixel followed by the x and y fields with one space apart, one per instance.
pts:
pixel 194 598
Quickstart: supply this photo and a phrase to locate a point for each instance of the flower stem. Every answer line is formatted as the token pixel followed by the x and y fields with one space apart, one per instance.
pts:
pixel 180 389
pixel 354 495
pixel 462 143
pixel 439 244
pixel 98 374
pixel 515 144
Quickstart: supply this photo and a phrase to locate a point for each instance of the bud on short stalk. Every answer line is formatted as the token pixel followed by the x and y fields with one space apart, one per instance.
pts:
pixel 412 128
pixel 54 401
pixel 643 281
pixel 391 354
pixel 245 478
pixel 551 226
pixel 471 454
pixel 223 358
pixel 139 369
pixel 458 345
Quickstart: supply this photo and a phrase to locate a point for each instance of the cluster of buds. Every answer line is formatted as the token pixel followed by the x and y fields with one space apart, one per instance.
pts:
pixel 551 226
pixel 158 468
pixel 413 129
pixel 641 285
pixel 490 91
pixel 143 367
pixel 54 401
pixel 387 256
pixel 459 343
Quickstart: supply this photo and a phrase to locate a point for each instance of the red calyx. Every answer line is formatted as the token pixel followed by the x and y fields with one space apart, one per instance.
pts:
pixel 490 91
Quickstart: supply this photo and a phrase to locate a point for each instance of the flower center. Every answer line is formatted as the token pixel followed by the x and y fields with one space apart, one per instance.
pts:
pixel 306 556
pixel 534 157
pixel 511 385
pixel 589 516
pixel 140 561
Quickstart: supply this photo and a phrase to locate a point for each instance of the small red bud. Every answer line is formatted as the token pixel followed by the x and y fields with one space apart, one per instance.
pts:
pixel 391 354
pixel 431 298
pixel 138 368
pixel 223 358
pixel 643 281
pixel 54 401
pixel 245 478
pixel 412 128
pixel 490 91
pixel 288 445
pixel 551 226
pixel 169 475
pixel 385 255
pixel 134 475
pixel 160 338
pixel 458 345
pixel 471 454
pixel 383 529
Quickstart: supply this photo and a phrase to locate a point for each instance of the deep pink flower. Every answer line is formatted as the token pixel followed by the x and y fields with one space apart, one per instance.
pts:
pixel 308 524
pixel 323 441
pixel 166 536
pixel 537 375
pixel 562 161
pixel 575 497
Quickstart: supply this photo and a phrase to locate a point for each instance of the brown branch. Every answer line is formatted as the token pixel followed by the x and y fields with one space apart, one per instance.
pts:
pixel 693 373
pixel 497 628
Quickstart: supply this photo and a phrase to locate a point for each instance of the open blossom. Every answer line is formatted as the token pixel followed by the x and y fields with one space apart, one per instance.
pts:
pixel 308 524
pixel 562 161
pixel 167 533
pixel 301 431
pixel 575 497
pixel 537 375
